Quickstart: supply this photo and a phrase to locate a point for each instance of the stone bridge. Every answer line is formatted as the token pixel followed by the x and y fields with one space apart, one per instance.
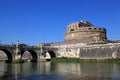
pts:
pixel 15 52
pixel 78 50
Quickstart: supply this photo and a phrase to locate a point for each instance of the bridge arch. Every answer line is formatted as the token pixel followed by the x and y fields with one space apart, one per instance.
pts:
pixel 50 55
pixel 33 54
pixel 9 55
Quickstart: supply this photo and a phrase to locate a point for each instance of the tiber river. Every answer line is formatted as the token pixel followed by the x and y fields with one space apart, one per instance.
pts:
pixel 59 71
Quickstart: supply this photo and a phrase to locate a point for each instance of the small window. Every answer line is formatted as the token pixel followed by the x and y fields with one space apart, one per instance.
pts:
pixel 89 28
pixel 71 29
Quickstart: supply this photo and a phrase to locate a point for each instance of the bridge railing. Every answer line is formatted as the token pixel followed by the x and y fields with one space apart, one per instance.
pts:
pixel 6 45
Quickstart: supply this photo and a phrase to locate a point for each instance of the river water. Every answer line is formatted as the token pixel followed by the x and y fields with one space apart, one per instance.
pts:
pixel 59 71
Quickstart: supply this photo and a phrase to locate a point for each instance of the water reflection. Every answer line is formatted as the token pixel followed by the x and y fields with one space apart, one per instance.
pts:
pixel 2 72
pixel 91 70
pixel 16 70
pixel 59 71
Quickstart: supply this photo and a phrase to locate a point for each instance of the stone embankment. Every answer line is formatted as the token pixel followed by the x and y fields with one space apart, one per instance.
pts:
pixel 94 51
pixel 101 51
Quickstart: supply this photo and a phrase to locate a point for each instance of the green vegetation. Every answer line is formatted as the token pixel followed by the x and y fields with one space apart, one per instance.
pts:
pixel 18 61
pixel 64 59
pixel 22 45
pixel 77 60
pixel 112 60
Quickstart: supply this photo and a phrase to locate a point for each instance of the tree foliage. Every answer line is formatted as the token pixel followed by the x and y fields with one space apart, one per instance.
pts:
pixel 23 45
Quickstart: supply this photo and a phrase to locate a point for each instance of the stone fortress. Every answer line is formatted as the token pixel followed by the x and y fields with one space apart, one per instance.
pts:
pixel 85 41
pixel 85 32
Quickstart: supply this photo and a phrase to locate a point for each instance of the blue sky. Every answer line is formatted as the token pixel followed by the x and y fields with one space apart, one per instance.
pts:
pixel 35 21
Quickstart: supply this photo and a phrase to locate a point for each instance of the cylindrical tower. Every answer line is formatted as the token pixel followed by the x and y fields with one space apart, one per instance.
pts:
pixel 85 32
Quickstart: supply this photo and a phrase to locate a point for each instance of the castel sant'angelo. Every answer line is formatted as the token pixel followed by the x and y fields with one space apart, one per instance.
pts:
pixel 85 32
pixel 86 41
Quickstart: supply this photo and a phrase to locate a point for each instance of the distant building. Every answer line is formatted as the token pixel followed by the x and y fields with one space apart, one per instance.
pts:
pixel 85 32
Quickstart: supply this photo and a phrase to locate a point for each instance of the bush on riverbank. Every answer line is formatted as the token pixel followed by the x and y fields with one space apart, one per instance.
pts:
pixel 113 60
pixel 77 60
pixel 65 59
pixel 18 61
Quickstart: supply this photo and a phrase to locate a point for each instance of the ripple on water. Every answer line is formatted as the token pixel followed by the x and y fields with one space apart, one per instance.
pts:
pixel 63 77
pixel 42 77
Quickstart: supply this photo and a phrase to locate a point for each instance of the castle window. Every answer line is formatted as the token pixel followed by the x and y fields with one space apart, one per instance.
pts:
pixel 71 29
pixel 89 28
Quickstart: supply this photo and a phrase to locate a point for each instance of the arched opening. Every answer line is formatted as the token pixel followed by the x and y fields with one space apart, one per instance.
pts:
pixel 49 55
pixel 26 56
pixel 8 57
pixel 30 55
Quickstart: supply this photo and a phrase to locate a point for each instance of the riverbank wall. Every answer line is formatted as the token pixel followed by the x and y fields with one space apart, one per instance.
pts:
pixel 93 51
pixel 101 51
